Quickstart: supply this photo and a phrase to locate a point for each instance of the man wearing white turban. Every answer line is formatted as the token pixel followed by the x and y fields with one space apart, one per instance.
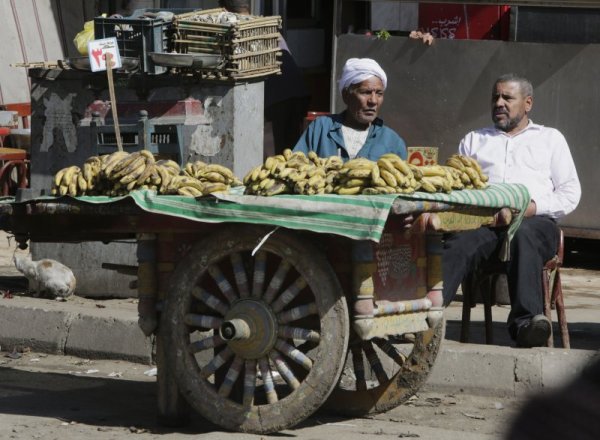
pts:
pixel 357 131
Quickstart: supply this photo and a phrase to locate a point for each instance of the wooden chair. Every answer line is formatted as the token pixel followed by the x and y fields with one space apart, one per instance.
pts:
pixel 13 159
pixel 481 283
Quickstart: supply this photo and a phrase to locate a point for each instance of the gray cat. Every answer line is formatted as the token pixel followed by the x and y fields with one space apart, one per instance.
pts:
pixel 46 276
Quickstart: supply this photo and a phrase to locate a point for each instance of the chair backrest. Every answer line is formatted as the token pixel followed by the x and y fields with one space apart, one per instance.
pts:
pixel 24 111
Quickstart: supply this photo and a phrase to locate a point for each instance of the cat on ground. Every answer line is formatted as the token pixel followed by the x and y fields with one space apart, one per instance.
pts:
pixel 46 276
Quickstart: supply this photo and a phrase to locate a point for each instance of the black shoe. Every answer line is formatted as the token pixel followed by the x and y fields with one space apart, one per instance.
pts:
pixel 535 333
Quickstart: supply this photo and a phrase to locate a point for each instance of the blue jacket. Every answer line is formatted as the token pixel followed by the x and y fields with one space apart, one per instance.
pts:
pixel 324 137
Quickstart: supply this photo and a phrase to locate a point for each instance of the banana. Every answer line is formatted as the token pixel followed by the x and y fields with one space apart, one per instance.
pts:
pixel 133 175
pixel 370 191
pixel 119 172
pixel 287 154
pixel 67 177
pixel 148 155
pixel 63 189
pixel 425 185
pixel 212 176
pixel 349 191
pixel 165 178
pixel 416 171
pixel 355 182
pixel 73 186
pixel 359 162
pixel 59 175
pixel 216 168
pixel 314 157
pixel 121 165
pixel 145 175
pixel 189 169
pixel 171 165
pixel 455 162
pixel 267 183
pixel 389 178
pixel 215 187
pixel 190 181
pixel 317 182
pixel 386 165
pixel 278 188
pixel 81 183
pixel 189 191
pixel 263 174
pixel 432 170
pixel 360 173
pixel 113 160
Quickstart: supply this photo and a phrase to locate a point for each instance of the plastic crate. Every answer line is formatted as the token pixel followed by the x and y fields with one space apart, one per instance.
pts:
pixel 137 37
pixel 249 48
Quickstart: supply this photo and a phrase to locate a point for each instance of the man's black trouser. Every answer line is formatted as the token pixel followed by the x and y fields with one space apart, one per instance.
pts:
pixel 534 243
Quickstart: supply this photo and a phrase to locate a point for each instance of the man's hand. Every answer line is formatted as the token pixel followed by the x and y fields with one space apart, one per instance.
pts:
pixel 531 209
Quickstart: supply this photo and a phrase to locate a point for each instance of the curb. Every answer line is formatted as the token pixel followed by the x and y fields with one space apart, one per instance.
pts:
pixel 87 329
pixel 47 329
pixel 504 371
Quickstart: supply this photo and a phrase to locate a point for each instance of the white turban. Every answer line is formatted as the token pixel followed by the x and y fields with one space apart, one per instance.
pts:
pixel 356 70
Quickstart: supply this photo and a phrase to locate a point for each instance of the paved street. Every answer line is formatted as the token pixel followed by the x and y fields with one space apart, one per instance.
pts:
pixel 62 397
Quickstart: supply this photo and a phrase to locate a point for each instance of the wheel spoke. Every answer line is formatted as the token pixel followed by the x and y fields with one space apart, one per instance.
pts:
pixel 267 378
pixel 210 300
pixel 216 362
pixel 297 313
pixel 222 282
pixel 288 295
pixel 239 271
pixel 390 350
pixel 231 376
pixel 249 382
pixel 202 321
pixel 359 368
pixel 375 362
pixel 276 281
pixel 284 369
pixel 258 280
pixel 206 343
pixel 294 354
pixel 299 333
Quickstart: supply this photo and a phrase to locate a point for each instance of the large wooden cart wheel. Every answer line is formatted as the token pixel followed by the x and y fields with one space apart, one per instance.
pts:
pixel 257 342
pixel 382 373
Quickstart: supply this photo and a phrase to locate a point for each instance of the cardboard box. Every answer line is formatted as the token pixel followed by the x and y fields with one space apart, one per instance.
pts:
pixel 423 155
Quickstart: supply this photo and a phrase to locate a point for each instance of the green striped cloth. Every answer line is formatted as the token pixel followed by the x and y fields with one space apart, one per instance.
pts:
pixel 359 217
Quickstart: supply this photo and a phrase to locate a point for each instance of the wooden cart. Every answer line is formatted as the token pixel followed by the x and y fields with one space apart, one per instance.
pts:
pixel 263 318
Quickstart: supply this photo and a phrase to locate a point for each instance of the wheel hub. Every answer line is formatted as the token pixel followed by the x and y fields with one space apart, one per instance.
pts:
pixel 250 329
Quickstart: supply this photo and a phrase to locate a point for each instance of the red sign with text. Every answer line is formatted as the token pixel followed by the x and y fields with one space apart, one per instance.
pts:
pixel 464 22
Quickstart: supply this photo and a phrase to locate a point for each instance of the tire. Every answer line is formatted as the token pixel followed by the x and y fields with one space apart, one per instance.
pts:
pixel 394 368
pixel 276 376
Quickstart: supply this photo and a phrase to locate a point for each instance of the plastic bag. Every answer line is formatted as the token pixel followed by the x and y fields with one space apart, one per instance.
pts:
pixel 82 38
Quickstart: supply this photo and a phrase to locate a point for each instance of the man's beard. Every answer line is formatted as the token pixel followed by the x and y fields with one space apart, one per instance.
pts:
pixel 507 125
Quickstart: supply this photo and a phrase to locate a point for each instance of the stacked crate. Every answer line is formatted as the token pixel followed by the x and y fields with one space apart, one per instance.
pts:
pixel 248 47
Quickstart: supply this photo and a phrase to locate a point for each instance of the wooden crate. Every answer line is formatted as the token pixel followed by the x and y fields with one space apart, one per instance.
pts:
pixel 249 48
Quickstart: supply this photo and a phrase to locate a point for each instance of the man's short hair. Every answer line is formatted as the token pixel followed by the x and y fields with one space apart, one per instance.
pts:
pixel 524 84
pixel 237 6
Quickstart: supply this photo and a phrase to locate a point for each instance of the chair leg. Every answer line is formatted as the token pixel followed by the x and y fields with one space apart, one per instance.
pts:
pixel 486 296
pixel 466 312
pixel 557 297
pixel 547 303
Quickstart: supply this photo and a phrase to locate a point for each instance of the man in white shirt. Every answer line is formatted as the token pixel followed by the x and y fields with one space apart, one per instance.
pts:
pixel 515 150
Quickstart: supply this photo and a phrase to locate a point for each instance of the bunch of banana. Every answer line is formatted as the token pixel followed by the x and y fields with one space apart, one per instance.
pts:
pixel 211 173
pixel 293 173
pixel 167 169
pixel 354 176
pixel 397 174
pixel 469 170
pixel 69 181
pixel 436 178
pixel 126 172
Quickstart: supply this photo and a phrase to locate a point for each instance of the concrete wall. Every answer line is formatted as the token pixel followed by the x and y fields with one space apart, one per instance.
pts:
pixel 436 94
pixel 226 131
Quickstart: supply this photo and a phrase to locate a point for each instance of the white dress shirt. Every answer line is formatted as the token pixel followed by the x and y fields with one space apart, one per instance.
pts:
pixel 537 157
